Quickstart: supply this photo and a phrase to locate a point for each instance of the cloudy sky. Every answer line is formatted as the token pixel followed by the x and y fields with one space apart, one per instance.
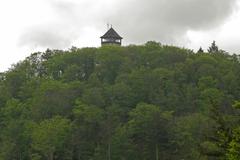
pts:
pixel 27 26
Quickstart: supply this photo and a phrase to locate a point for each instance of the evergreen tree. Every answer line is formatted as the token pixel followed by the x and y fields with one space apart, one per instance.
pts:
pixel 200 50
pixel 213 48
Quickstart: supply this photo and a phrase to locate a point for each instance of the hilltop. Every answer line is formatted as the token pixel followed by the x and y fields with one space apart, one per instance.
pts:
pixel 143 102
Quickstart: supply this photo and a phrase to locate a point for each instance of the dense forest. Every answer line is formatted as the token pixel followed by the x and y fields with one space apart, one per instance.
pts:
pixel 145 102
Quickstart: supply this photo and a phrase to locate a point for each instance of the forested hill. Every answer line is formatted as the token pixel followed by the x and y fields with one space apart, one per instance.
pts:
pixel 147 102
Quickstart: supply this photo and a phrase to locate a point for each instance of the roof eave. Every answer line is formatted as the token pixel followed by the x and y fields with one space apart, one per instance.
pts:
pixel 111 37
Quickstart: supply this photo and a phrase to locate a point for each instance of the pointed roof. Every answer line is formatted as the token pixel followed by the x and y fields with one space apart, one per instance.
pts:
pixel 111 33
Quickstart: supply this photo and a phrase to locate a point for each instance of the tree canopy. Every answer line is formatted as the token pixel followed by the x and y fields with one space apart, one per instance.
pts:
pixel 142 102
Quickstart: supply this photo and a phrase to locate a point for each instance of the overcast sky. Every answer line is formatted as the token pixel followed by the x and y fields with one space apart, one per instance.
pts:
pixel 28 26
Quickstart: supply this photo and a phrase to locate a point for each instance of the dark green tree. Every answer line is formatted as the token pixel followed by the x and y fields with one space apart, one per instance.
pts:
pixel 213 48
pixel 148 127
pixel 200 50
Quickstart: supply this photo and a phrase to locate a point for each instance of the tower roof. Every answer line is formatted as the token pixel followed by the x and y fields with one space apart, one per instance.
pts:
pixel 111 33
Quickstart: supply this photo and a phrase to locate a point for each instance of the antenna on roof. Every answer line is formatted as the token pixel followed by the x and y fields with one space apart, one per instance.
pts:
pixel 107 26
pixel 111 25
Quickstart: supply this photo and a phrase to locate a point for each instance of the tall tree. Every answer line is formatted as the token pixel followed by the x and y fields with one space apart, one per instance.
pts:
pixel 51 136
pixel 148 127
pixel 218 136
pixel 87 130
pixel 200 50
pixel 213 48
pixel 233 152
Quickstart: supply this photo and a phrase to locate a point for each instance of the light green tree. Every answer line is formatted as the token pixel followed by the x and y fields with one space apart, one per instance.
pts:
pixel 50 136
pixel 148 127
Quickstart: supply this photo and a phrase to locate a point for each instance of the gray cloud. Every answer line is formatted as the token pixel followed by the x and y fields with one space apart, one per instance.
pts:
pixel 136 20
pixel 69 20
pixel 47 37
pixel 168 20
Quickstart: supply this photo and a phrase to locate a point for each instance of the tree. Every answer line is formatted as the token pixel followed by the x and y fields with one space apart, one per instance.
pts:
pixel 110 123
pixel 234 146
pixel 87 130
pixel 218 136
pixel 54 98
pixel 148 127
pixel 51 136
pixel 200 50
pixel 122 146
pixel 186 134
pixel 213 48
pixel 233 152
pixel 15 134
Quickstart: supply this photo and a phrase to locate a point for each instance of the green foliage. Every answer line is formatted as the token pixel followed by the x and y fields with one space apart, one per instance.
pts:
pixel 148 128
pixel 234 146
pixel 50 136
pixel 54 98
pixel 233 151
pixel 86 129
pixel 187 134
pixel 236 105
pixel 143 102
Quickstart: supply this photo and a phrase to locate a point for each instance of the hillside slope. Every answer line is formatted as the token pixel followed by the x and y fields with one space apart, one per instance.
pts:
pixel 121 103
